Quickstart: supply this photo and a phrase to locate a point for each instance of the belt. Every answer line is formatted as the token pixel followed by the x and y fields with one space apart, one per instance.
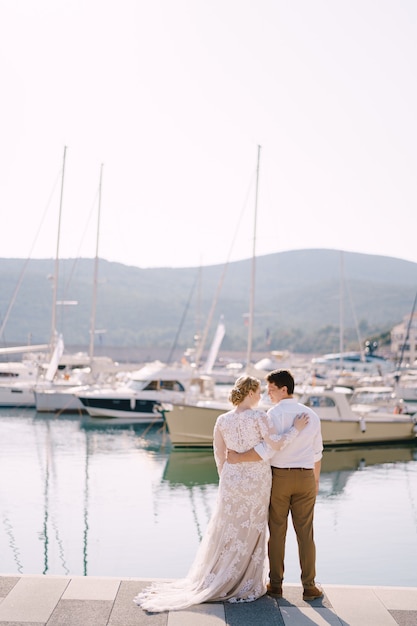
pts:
pixel 297 469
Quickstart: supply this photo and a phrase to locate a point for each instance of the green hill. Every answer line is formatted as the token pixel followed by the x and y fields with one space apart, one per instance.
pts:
pixel 297 301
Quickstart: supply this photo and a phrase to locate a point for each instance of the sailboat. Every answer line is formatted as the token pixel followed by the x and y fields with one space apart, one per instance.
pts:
pixel 71 365
pixel 59 396
pixel 17 388
pixel 82 369
pixel 192 424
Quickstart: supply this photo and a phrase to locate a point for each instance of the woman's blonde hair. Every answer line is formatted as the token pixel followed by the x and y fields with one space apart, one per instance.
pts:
pixel 242 387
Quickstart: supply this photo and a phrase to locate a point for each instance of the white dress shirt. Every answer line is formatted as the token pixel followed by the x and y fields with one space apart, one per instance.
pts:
pixel 306 449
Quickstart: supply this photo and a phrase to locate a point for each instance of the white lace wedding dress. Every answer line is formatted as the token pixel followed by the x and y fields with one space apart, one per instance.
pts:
pixel 231 561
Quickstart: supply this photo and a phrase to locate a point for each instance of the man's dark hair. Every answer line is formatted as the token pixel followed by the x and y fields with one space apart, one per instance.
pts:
pixel 282 378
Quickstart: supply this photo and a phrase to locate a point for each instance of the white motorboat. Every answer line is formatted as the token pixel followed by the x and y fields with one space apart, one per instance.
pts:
pixel 59 399
pixel 365 399
pixel 349 369
pixel 405 384
pixel 60 395
pixel 146 389
pixel 191 425
pixel 18 379
pixel 17 394
pixel 48 384
pixel 345 420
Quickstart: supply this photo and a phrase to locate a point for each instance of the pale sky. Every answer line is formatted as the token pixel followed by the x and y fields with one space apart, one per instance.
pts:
pixel 174 96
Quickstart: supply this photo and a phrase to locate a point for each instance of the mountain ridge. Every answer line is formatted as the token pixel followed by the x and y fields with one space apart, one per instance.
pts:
pixel 298 297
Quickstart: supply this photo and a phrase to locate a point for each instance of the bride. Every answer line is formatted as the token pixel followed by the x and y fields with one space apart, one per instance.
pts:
pixel 231 561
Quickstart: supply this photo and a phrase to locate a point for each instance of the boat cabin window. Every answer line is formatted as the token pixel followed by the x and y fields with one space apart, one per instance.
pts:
pixel 319 401
pixel 156 385
pixel 371 397
pixel 172 385
pixel 152 386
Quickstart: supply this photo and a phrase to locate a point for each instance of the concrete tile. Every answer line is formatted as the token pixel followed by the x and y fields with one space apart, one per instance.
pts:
pixel 401 598
pixel 202 614
pixel 126 613
pixel 96 588
pixel 32 599
pixel 405 618
pixel 81 613
pixel 104 601
pixel 302 616
pixel 6 584
pixel 22 623
pixel 262 612
pixel 358 606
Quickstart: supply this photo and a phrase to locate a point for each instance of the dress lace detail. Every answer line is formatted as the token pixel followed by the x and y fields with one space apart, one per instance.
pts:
pixel 231 561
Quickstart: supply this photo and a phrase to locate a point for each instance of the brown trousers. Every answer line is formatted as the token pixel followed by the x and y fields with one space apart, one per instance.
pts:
pixel 292 490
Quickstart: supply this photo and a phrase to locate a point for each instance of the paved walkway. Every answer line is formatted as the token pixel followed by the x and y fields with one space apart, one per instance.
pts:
pixel 95 601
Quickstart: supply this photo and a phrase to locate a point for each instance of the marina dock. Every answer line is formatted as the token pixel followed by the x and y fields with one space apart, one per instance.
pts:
pixel 105 601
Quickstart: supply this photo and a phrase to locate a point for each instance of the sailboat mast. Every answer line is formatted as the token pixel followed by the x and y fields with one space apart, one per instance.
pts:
pixel 341 309
pixel 94 305
pixel 56 272
pixel 253 272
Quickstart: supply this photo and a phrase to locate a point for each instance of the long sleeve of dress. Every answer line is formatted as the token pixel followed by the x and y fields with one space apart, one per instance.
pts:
pixel 270 436
pixel 219 448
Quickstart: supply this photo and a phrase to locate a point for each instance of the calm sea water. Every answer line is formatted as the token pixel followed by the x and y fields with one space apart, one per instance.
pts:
pixel 82 500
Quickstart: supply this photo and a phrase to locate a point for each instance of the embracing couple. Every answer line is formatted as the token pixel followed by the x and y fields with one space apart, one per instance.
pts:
pixel 249 522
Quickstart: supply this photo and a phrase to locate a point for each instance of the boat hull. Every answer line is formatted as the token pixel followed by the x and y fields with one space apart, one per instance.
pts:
pixel 367 431
pixel 17 395
pixel 192 426
pixel 144 411
pixel 51 401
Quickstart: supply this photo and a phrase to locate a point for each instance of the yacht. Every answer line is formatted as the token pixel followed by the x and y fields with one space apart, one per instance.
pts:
pixel 143 392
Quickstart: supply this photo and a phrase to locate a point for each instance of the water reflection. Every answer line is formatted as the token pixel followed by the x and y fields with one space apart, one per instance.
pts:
pixel 106 441
pixel 356 458
pixel 190 468
pixel 86 504
pixel 340 464
pixel 197 467
pixel 8 528
pixel 150 436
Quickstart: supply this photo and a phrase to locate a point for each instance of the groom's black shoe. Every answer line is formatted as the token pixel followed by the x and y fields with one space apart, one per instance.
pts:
pixel 274 591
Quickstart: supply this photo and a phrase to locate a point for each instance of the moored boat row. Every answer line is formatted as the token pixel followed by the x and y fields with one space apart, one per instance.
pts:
pixel 190 402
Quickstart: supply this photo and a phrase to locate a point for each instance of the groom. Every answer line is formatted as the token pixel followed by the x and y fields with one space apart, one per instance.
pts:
pixel 295 482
